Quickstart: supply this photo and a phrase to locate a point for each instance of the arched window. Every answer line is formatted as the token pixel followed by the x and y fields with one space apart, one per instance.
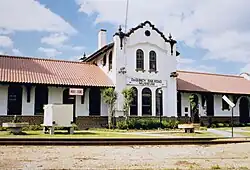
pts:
pixel 158 100
pixel 110 60
pixel 139 60
pixel 146 101
pixel 104 60
pixel 134 104
pixel 152 61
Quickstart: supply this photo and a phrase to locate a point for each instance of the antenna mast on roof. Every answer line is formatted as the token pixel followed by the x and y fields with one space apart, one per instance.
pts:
pixel 126 18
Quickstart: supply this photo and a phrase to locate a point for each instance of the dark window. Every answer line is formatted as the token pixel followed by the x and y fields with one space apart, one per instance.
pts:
pixel 15 93
pixel 110 60
pixel 41 98
pixel 159 105
pixel 146 101
pixel 134 104
pixel 139 59
pixel 152 61
pixel 225 106
pixel 104 60
pixel 186 109
pixel 68 99
pixel 94 101
pixel 179 104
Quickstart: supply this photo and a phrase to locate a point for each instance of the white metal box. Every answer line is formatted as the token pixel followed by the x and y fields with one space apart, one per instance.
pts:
pixel 61 114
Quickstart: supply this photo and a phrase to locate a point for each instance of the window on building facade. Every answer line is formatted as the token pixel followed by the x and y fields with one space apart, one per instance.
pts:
pixel 139 60
pixel 41 98
pixel 110 60
pixel 225 106
pixel 104 60
pixel 158 100
pixel 134 104
pixel 152 61
pixel 146 101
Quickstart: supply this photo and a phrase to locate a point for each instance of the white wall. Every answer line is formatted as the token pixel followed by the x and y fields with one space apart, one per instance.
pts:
pixel 3 99
pixel 217 106
pixel 28 108
pixel 166 64
pixel 55 96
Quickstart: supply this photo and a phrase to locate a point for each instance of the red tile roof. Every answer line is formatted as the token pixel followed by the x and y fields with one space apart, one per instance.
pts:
pixel 53 72
pixel 217 83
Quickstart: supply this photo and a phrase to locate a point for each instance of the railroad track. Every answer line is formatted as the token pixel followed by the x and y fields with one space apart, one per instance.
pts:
pixel 120 141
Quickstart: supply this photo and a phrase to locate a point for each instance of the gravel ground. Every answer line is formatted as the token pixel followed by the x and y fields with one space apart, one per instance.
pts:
pixel 125 157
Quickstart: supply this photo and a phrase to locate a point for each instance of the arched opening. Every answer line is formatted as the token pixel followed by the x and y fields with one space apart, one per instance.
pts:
pixel 68 99
pixel 15 93
pixel 146 102
pixel 158 100
pixel 41 98
pixel 139 59
pixel 134 104
pixel 94 101
pixel 244 110
pixel 152 61
pixel 194 108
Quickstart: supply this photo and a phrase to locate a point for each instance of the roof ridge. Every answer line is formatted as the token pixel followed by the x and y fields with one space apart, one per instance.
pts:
pixel 215 74
pixel 44 59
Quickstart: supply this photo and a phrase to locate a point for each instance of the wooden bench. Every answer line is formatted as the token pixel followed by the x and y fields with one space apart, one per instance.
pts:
pixel 189 128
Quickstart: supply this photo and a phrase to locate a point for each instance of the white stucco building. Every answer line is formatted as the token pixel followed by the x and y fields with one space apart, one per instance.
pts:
pixel 143 58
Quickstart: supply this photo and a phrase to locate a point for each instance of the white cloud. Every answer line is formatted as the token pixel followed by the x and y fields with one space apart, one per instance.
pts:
pixel 5 41
pixel 181 60
pixel 17 52
pixel 49 52
pixel 30 15
pixel 220 27
pixel 56 39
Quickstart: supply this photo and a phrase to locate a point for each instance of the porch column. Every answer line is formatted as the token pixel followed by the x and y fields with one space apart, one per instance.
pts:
pixel 153 105
pixel 139 101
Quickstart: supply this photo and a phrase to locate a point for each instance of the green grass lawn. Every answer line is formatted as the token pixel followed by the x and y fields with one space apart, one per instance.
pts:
pixel 64 134
pixel 109 133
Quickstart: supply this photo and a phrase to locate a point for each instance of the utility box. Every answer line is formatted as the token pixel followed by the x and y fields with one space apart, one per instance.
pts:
pixel 58 115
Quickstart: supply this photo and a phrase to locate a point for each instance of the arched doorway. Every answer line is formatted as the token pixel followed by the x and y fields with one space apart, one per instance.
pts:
pixel 146 102
pixel 244 110
pixel 194 108
pixel 158 100
pixel 134 104
pixel 15 94
pixel 68 99
pixel 94 101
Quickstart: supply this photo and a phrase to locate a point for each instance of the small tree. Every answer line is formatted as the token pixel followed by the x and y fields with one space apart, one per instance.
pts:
pixel 110 96
pixel 128 94
pixel 194 107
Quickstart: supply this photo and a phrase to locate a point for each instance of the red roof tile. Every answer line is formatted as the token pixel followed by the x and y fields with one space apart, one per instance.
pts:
pixel 206 82
pixel 54 72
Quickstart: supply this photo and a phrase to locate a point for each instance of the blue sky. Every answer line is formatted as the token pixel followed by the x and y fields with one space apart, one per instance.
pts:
pixel 209 39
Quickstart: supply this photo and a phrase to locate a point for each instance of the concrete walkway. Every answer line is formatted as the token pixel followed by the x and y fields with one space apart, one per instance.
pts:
pixel 225 133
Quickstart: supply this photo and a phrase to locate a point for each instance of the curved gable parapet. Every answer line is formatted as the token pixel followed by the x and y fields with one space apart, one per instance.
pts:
pixel 132 30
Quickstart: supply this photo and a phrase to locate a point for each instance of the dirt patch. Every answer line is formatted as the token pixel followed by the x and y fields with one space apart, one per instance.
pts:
pixel 125 157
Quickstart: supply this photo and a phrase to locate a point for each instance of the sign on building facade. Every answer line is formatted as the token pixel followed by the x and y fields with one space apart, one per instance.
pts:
pixel 146 82
pixel 75 92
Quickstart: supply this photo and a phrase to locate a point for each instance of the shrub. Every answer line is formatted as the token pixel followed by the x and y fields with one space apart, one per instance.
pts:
pixel 213 125
pixel 122 125
pixel 219 125
pixel 226 124
pixel 3 129
pixel 147 124
pixel 32 128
